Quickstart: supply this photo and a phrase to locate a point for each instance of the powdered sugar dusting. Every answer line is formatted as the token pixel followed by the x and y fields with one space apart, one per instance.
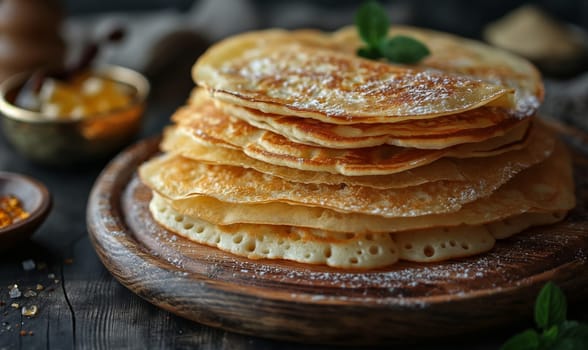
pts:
pixel 343 86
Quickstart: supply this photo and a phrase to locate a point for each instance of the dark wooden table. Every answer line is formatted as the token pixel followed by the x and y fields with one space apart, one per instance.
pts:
pixel 82 306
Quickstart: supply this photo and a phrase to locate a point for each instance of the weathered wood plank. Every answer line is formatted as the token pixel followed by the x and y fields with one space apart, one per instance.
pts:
pixel 52 327
pixel 108 316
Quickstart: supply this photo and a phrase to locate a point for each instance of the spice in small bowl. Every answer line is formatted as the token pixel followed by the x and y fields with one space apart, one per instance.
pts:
pixel 11 211
pixel 24 205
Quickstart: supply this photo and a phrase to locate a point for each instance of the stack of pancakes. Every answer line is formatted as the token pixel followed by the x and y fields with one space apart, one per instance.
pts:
pixel 292 147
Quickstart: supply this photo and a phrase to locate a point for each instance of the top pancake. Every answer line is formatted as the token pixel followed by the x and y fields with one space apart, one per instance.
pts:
pixel 316 78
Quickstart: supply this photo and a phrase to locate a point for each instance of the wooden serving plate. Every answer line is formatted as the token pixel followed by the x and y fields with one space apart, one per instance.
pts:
pixel 317 304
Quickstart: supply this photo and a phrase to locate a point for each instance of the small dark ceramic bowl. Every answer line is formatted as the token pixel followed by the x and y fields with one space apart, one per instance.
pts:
pixel 34 198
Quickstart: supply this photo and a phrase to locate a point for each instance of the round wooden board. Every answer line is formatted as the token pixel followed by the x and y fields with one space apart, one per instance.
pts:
pixel 317 304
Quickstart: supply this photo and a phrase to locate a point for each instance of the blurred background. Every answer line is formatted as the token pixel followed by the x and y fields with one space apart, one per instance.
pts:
pixel 459 16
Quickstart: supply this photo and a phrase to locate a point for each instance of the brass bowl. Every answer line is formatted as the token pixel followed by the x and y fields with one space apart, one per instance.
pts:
pixel 67 141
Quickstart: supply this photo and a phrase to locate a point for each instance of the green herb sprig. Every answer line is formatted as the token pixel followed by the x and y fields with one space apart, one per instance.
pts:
pixel 372 25
pixel 557 333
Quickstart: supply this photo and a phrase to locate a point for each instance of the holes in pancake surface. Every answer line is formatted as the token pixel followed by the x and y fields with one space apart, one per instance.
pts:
pixel 251 246
pixel 465 246
pixel 374 250
pixel 328 252
pixel 443 245
pixel 359 252
pixel 353 260
pixel 429 251
pixel 199 229
pixel 408 246
pixel 188 226
pixel 238 239
pixel 265 251
pixel 179 218
pixel 369 237
pixel 307 256
pixel 452 243
pixel 217 239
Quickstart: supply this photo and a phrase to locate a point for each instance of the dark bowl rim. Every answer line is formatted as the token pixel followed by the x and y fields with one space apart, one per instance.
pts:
pixel 118 73
pixel 36 213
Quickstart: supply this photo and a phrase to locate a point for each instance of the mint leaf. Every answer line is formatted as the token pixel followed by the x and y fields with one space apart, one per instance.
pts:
pixel 403 49
pixel 372 23
pixel 550 315
pixel 550 307
pixel 528 340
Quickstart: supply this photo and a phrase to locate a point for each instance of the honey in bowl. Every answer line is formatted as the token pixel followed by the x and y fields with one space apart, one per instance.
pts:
pixel 76 92
pixel 80 97
pixel 75 129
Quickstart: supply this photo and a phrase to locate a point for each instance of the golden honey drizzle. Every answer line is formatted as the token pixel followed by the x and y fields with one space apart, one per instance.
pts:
pixel 11 211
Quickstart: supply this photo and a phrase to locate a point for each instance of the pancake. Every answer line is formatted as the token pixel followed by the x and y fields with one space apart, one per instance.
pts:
pixel 341 88
pixel 206 123
pixel 450 55
pixel 180 143
pixel 177 177
pixel 540 146
pixel 433 245
pixel 471 126
pixel 544 188
pixel 279 242
pixel 180 178
pixel 340 250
